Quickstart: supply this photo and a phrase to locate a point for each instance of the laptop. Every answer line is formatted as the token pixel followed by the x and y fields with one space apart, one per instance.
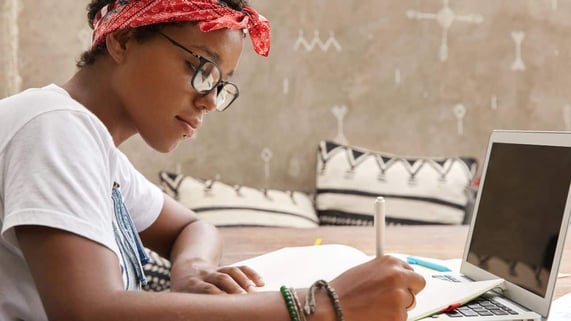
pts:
pixel 519 224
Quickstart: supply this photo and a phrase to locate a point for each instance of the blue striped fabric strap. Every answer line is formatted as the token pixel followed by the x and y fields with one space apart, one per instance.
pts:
pixel 136 253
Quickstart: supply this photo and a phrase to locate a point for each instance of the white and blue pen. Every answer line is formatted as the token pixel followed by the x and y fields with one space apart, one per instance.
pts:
pixel 427 264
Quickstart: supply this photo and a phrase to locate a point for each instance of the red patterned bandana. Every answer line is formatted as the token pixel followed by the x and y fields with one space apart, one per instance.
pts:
pixel 210 15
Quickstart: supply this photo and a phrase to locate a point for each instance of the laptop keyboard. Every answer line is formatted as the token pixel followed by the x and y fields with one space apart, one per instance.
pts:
pixel 481 306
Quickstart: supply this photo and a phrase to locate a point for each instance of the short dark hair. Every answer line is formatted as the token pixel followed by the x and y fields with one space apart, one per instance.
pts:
pixel 141 33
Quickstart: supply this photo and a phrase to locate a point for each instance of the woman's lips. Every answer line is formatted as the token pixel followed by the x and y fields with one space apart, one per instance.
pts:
pixel 189 126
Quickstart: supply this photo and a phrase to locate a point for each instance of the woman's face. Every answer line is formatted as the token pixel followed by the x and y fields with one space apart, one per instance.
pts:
pixel 153 82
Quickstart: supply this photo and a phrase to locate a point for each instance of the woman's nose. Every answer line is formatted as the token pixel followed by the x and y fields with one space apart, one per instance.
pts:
pixel 207 101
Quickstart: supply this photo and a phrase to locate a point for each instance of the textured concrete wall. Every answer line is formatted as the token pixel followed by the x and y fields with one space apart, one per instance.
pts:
pixel 10 78
pixel 413 77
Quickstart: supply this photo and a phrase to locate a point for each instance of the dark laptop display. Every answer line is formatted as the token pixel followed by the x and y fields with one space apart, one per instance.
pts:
pixel 521 209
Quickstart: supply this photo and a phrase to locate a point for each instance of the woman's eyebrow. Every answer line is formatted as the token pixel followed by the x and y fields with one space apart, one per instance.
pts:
pixel 213 56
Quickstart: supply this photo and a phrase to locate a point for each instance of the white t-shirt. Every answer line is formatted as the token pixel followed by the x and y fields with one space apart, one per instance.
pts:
pixel 58 165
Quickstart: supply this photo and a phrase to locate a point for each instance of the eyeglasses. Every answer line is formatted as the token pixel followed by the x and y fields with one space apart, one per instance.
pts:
pixel 207 77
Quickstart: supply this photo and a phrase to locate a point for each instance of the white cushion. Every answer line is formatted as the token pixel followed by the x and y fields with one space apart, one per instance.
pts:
pixel 417 190
pixel 225 205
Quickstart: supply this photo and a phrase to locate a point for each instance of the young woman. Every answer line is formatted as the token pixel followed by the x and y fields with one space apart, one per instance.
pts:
pixel 74 212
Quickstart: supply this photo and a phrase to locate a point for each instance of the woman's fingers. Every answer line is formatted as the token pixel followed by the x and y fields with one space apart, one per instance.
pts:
pixel 253 275
pixel 413 301
pixel 232 279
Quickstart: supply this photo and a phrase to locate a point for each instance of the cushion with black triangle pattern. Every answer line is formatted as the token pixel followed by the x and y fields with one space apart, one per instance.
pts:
pixel 227 205
pixel 417 190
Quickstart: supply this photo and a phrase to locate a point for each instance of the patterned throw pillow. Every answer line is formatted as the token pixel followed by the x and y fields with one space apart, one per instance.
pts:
pixel 225 205
pixel 158 272
pixel 417 190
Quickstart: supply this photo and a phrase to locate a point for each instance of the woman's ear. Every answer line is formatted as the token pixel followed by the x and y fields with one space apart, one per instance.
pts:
pixel 116 43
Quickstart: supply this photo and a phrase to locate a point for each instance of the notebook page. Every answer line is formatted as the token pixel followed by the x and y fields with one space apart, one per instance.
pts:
pixel 299 267
pixel 439 294
pixel 561 309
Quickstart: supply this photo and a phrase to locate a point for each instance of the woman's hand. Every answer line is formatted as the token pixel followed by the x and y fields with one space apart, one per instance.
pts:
pixel 381 289
pixel 194 247
pixel 203 278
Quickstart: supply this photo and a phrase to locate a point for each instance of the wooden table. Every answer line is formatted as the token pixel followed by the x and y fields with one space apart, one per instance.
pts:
pixel 436 241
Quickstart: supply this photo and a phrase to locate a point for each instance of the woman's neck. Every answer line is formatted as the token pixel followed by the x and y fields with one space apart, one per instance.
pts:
pixel 92 87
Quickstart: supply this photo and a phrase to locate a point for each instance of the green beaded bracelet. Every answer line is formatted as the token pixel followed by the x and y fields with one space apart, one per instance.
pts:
pixel 293 314
pixel 298 307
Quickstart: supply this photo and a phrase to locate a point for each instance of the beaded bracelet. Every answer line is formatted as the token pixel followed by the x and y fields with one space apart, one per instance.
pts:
pixel 298 307
pixel 291 308
pixel 310 299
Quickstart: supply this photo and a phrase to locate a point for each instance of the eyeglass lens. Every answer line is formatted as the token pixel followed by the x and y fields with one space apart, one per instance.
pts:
pixel 207 76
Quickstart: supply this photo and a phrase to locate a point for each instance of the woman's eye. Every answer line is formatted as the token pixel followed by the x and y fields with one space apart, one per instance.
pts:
pixel 191 66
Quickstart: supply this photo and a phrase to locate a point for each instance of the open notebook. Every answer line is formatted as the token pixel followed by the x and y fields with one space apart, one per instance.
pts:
pixel 327 261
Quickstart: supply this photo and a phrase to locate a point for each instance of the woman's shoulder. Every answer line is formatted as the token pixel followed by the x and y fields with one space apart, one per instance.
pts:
pixel 18 110
pixel 34 101
pixel 48 109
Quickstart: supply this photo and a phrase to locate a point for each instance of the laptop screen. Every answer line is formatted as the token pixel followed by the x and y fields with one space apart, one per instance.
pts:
pixel 520 212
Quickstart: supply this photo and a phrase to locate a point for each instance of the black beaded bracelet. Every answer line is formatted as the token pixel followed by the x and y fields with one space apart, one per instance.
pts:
pixel 310 306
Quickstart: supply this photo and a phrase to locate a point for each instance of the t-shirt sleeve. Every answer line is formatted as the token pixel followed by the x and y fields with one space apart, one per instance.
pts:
pixel 144 200
pixel 56 175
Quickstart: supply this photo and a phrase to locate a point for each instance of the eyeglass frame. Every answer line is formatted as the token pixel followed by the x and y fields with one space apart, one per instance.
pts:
pixel 202 61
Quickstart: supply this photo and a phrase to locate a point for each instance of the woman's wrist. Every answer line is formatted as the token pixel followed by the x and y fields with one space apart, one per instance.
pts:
pixel 317 303
pixel 324 311
pixel 184 270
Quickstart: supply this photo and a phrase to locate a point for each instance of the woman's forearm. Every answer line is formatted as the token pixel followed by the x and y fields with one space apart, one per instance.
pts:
pixel 198 242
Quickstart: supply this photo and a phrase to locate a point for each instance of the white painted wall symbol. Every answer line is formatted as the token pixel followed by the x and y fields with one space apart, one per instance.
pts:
pixel 286 86
pixel 445 17
pixel 397 76
pixel 460 112
pixel 518 64
pixel 494 102
pixel 266 157
pixel 339 112
pixel 567 116
pixel 316 42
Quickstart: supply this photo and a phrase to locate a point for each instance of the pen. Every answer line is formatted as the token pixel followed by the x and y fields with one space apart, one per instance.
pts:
pixel 427 264
pixel 380 225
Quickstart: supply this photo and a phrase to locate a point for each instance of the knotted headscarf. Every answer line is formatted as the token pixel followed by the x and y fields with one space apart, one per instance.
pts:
pixel 209 14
